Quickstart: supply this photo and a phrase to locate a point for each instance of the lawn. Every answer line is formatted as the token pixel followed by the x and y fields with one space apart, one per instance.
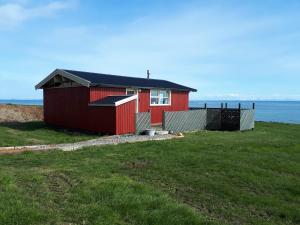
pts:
pixel 204 178
pixel 34 133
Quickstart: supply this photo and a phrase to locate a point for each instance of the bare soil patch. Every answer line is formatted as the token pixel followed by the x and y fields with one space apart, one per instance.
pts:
pixel 20 113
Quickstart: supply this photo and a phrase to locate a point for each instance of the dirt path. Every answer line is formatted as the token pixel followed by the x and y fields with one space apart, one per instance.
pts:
pixel 109 140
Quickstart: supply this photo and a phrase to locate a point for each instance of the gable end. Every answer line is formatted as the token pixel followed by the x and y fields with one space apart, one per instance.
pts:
pixel 65 76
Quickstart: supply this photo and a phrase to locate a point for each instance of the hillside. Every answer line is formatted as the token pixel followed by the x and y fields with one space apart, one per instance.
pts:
pixel 205 178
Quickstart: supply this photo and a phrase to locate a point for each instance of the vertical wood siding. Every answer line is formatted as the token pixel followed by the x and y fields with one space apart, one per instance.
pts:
pixel 68 107
pixel 125 118
pixel 102 119
pixel 97 93
pixel 144 100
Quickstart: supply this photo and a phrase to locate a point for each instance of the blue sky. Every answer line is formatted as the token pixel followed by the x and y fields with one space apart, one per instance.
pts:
pixel 226 49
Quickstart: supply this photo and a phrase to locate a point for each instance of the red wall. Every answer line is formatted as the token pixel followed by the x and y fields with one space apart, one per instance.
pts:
pixel 68 107
pixel 102 119
pixel 125 118
pixel 97 93
pixel 179 102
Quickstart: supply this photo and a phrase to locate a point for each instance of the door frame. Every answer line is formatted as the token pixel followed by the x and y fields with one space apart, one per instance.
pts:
pixel 136 92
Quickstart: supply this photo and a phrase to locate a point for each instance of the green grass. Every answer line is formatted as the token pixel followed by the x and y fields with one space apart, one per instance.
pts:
pixel 204 178
pixel 34 133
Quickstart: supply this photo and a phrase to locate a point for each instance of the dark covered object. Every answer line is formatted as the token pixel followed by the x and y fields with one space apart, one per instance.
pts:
pixel 109 100
pixel 230 119
pixel 223 119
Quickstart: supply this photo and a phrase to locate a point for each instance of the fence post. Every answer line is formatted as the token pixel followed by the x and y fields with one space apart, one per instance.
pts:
pixel 150 117
pixel 222 105
pixel 205 106
pixel 163 122
pixel 135 120
pixel 226 105
pixel 239 106
pixel 253 107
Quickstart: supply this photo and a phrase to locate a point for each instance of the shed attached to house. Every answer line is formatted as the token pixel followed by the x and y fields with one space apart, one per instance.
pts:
pixel 107 103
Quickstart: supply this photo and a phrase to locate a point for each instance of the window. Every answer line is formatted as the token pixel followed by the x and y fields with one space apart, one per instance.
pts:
pixel 130 91
pixel 160 97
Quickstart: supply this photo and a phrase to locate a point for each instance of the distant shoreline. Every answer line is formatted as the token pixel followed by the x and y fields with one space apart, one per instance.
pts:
pixel 32 102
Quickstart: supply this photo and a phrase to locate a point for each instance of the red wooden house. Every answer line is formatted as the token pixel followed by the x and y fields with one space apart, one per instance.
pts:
pixel 107 103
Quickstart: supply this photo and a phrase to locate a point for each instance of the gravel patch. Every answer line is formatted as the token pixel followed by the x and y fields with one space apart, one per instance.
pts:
pixel 108 140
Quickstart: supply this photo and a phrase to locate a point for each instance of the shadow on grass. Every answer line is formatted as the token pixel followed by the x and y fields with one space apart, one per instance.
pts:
pixel 25 126
pixel 40 125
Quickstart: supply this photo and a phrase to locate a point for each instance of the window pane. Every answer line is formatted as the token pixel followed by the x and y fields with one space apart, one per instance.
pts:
pixel 164 94
pixel 161 97
pixel 130 92
pixel 154 101
pixel 161 101
pixel 166 101
pixel 154 93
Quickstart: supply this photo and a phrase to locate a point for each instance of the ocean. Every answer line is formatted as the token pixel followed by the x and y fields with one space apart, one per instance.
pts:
pixel 269 111
pixel 21 102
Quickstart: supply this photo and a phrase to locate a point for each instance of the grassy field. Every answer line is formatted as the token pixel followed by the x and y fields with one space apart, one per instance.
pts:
pixel 204 178
pixel 33 133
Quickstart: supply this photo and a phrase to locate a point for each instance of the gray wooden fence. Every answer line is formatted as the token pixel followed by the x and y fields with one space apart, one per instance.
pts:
pixel 185 120
pixel 247 119
pixel 209 119
pixel 142 122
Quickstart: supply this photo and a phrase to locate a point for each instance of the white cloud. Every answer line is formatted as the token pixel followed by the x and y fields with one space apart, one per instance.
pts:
pixel 194 42
pixel 13 14
pixel 216 50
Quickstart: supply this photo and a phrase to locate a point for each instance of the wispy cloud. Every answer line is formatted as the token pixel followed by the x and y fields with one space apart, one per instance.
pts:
pixel 226 52
pixel 13 14
pixel 193 45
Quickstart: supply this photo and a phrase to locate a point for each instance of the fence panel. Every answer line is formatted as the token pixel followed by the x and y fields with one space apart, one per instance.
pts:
pixel 230 119
pixel 142 122
pixel 213 119
pixel 247 119
pixel 185 120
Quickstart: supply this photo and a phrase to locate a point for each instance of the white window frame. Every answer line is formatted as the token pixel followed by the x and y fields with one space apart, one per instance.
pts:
pixel 131 89
pixel 170 97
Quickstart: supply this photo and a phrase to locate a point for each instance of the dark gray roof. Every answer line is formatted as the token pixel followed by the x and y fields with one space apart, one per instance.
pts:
pixel 99 79
pixel 109 100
